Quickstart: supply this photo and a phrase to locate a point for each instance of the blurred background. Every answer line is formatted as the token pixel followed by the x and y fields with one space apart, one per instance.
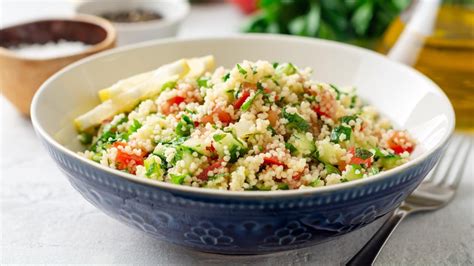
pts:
pixel 434 36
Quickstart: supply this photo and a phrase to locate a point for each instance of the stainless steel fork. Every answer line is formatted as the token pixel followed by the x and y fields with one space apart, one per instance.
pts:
pixel 433 193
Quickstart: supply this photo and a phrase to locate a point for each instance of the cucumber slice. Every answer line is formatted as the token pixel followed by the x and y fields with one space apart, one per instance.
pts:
pixel 355 172
pixel 153 167
pixel 225 140
pixel 302 144
pixel 197 145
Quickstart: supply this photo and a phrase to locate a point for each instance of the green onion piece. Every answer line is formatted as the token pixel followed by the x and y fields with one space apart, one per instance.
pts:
pixel 246 105
pixel 338 92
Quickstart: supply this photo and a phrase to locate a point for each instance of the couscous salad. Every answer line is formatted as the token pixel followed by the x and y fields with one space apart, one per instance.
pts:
pixel 256 126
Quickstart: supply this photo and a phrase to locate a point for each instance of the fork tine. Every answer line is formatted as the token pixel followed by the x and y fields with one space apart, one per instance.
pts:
pixel 441 169
pixel 437 167
pixel 462 165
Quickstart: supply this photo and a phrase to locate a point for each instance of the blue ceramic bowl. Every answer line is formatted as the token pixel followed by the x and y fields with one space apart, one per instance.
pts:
pixel 251 222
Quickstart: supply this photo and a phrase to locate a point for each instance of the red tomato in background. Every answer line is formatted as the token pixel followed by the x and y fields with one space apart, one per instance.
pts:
pixel 247 6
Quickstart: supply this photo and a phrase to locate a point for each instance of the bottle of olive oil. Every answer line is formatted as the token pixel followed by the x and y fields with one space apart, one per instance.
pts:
pixel 437 38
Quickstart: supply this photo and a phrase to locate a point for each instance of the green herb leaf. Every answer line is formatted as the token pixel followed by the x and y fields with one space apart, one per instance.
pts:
pixel 283 186
pixel 295 121
pixel 338 92
pixel 290 147
pixel 363 153
pixel 272 130
pixel 241 70
pixel 361 18
pixel 348 118
pixel 184 127
pixel 246 105
pixel 338 131
pixel 226 77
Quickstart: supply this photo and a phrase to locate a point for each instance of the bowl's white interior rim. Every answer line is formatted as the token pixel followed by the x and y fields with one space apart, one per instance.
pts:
pixel 241 194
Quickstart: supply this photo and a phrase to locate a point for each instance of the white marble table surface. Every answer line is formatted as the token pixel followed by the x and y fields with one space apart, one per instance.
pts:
pixel 44 221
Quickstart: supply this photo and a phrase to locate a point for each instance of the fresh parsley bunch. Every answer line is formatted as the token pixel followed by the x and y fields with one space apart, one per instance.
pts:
pixel 355 21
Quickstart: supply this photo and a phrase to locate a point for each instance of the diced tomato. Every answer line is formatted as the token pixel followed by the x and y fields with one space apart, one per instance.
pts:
pixel 222 115
pixel 211 148
pixel 166 107
pixel 204 174
pixel 196 123
pixel 357 160
pixel 125 161
pixel 272 160
pixel 176 100
pixel 272 117
pixel 242 98
pixel 318 110
pixel 327 105
pixel 400 142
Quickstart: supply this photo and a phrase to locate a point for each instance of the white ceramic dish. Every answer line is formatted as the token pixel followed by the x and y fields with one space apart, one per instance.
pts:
pixel 173 12
pixel 247 222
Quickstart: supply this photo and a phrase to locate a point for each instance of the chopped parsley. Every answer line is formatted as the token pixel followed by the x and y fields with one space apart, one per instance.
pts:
pixel 246 105
pixel 363 153
pixel 290 147
pixel 226 77
pixel 348 118
pixel 338 131
pixel 241 70
pixel 338 92
pixel 184 126
pixel 132 129
pixel 295 121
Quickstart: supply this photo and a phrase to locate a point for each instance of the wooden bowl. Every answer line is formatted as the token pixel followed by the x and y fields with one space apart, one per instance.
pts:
pixel 21 76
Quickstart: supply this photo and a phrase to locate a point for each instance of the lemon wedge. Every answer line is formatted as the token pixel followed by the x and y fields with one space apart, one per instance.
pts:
pixel 197 67
pixel 161 72
pixel 126 100
pixel 200 65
